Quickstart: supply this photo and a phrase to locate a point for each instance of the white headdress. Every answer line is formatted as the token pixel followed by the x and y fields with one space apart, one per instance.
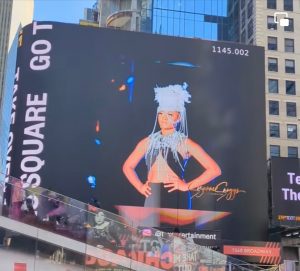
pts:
pixel 172 97
pixel 169 98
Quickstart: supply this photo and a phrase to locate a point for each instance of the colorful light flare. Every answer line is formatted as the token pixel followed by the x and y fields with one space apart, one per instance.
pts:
pixel 130 80
pixel 91 181
pixel 97 141
pixel 122 88
pixel 97 126
pixel 183 64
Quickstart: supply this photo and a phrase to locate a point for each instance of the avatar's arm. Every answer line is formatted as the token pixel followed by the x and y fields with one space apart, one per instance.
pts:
pixel 130 165
pixel 212 170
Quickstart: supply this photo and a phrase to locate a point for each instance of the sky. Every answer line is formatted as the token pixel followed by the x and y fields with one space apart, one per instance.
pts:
pixel 68 11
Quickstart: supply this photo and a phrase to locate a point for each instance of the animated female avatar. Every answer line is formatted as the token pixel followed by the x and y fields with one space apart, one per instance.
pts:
pixel 167 152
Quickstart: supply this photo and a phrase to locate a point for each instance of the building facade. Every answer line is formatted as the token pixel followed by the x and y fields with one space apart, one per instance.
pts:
pixel 282 53
pixel 5 19
pixel 195 19
pixel 260 24
pixel 14 14
pixel 91 16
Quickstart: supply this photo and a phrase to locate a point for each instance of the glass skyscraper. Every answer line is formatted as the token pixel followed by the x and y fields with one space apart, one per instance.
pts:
pixel 195 19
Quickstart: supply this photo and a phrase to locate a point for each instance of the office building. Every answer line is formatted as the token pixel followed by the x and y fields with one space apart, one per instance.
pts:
pixel 262 23
pixel 91 16
pixel 200 19
pixel 5 15
pixel 282 60
pixel 14 15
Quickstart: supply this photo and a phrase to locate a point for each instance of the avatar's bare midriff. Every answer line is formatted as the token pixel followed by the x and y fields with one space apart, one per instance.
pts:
pixel 160 171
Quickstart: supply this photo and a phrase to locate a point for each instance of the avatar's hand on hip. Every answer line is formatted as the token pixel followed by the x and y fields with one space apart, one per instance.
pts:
pixel 174 183
pixel 145 190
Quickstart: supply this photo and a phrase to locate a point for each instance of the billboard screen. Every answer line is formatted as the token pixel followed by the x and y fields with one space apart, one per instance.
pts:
pixel 285 181
pixel 168 132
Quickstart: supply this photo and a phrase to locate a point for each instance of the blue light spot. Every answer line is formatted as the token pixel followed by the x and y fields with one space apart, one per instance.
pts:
pixel 97 141
pixel 91 181
pixel 184 64
pixel 130 80
pixel 130 83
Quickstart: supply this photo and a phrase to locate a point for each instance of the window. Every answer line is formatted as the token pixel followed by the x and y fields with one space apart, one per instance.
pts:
pixel 271 4
pixel 250 29
pixel 290 87
pixel 274 129
pixel 292 131
pixel 243 18
pixel 272 43
pixel 291 109
pixel 273 85
pixel 288 5
pixel 273 108
pixel 290 27
pixel 272 64
pixel 243 37
pixel 271 24
pixel 289 45
pixel 289 66
pixel 250 8
pixel 292 152
pixel 274 151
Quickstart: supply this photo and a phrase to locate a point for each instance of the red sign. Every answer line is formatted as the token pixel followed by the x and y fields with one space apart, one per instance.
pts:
pixel 251 251
pixel 20 267
pixel 269 254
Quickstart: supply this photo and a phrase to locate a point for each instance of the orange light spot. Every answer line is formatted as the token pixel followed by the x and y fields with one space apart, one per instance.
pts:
pixel 98 126
pixel 122 88
pixel 112 80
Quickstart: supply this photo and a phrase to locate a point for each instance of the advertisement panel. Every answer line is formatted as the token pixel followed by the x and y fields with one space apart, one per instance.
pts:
pixel 167 132
pixel 255 252
pixel 285 181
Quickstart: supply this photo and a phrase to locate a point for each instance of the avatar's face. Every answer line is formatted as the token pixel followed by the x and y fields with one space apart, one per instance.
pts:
pixel 168 119
pixel 99 218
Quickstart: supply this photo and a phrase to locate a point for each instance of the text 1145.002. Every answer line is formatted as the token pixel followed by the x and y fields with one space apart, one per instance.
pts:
pixel 230 51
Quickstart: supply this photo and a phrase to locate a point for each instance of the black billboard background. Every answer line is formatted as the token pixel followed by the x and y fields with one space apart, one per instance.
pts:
pixel 88 65
pixel 286 211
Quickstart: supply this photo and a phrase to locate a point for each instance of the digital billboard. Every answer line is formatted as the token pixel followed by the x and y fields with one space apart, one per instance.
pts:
pixel 168 132
pixel 285 182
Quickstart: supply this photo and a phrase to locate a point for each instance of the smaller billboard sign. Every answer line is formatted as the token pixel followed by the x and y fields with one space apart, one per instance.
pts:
pixel 285 187
pixel 255 252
